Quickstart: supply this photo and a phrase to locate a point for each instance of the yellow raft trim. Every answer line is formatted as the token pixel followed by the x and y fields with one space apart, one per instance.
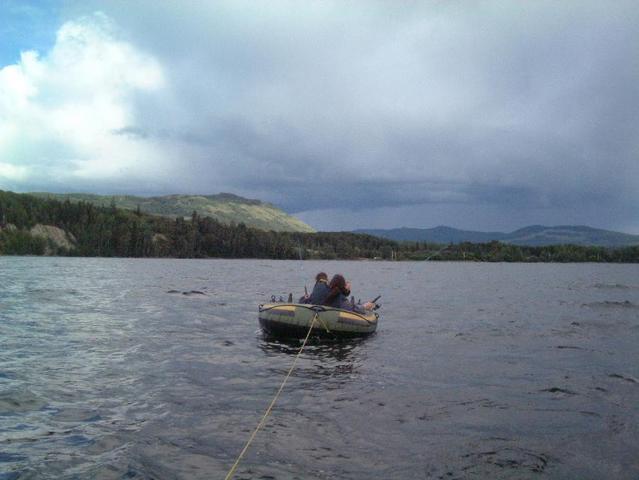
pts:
pixel 289 308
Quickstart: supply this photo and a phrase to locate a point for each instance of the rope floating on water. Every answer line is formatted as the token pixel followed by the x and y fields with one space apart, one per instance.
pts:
pixel 262 422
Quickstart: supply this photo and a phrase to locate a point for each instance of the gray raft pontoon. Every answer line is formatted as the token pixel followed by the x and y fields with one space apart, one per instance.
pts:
pixel 294 319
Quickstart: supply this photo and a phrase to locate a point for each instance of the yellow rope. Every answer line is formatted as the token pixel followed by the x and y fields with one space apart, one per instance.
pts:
pixel 322 322
pixel 270 407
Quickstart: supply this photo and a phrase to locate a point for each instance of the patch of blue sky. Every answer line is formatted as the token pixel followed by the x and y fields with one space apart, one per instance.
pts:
pixel 27 25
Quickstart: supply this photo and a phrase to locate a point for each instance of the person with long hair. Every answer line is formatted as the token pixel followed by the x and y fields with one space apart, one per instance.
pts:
pixel 339 290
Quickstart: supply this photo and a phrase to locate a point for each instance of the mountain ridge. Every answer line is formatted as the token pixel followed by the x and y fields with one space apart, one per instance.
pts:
pixel 532 235
pixel 226 208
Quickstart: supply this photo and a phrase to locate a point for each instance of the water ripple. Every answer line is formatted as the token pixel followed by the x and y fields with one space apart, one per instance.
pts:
pixel 116 368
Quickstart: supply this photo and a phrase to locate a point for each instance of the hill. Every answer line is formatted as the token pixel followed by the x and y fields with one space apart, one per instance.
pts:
pixel 224 207
pixel 38 226
pixel 44 226
pixel 535 235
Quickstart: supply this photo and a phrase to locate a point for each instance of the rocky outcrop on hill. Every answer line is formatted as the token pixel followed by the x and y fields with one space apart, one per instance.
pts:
pixel 56 236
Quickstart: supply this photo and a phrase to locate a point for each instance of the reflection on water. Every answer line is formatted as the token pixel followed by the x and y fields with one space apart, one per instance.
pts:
pixel 339 349
pixel 115 368
pixel 335 359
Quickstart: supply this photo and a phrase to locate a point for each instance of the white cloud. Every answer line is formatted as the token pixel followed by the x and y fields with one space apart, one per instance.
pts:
pixel 60 112
pixel 324 105
pixel 13 172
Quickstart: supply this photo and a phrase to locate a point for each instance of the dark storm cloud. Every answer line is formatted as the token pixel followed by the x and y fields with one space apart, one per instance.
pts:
pixel 371 105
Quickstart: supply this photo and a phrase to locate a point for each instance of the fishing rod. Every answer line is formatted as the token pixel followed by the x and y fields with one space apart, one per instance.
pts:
pixel 303 273
pixel 374 302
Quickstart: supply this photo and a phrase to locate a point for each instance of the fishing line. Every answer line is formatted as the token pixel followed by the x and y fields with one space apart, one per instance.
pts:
pixel 436 253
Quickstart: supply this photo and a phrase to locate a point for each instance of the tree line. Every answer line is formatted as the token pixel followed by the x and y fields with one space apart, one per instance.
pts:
pixel 112 232
pixel 504 252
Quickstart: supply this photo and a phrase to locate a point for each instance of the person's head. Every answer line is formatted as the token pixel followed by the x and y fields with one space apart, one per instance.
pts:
pixel 321 277
pixel 338 281
pixel 337 287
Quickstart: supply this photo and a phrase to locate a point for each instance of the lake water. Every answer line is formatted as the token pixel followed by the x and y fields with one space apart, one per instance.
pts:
pixel 108 370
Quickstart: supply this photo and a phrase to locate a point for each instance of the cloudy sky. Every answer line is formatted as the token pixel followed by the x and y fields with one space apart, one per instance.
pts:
pixel 487 115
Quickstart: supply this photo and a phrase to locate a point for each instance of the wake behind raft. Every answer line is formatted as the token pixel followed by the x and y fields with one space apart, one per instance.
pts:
pixel 289 319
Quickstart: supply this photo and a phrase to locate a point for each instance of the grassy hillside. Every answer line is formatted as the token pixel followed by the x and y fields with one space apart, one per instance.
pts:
pixel 35 226
pixel 535 236
pixel 538 235
pixel 224 207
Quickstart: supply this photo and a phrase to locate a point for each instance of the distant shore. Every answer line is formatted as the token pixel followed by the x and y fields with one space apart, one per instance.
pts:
pixel 36 226
pixel 561 256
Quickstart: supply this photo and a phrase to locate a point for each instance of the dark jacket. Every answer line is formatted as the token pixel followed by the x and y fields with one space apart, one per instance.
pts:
pixel 342 301
pixel 318 295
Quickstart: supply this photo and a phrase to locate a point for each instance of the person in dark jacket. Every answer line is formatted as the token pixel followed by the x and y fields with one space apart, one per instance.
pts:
pixel 339 290
pixel 320 290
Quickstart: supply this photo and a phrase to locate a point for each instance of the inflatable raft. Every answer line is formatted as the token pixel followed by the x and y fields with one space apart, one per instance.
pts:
pixel 294 320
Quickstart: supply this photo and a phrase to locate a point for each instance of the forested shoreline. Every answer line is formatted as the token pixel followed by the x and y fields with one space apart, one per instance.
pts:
pixel 111 232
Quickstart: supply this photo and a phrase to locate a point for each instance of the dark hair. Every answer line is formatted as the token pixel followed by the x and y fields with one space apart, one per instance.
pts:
pixel 338 281
pixel 321 276
pixel 337 286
